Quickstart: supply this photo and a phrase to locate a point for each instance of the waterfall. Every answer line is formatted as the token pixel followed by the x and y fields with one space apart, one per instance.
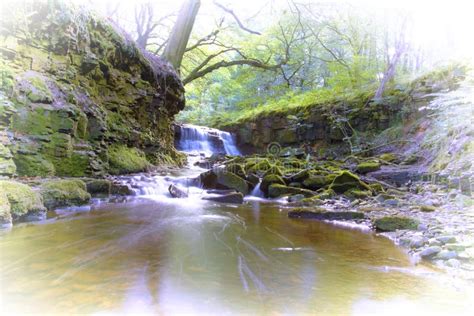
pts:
pixel 229 143
pixel 192 138
pixel 256 191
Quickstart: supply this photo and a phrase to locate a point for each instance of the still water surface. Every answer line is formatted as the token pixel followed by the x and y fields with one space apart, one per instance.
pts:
pixel 165 256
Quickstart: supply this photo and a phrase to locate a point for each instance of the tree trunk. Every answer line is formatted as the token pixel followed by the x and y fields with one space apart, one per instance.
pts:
pixel 179 36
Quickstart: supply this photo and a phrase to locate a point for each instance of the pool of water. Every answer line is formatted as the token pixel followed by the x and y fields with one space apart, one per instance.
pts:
pixel 169 256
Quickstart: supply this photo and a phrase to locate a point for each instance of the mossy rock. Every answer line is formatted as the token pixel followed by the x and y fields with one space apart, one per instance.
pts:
pixel 323 214
pixel 258 167
pixel 33 165
pixel 275 170
pixel 326 194
pixel 388 157
pixel 376 187
pixel 410 160
pixel 237 169
pixel 269 180
pixel 316 182
pixel 23 199
pixel 5 216
pixel 427 208
pixel 392 223
pixel 232 181
pixel 37 91
pixel 7 166
pixel 368 166
pixel 346 181
pixel 124 160
pixel 99 186
pixel 314 200
pixel 358 194
pixel 277 190
pixel 57 193
pixel 298 176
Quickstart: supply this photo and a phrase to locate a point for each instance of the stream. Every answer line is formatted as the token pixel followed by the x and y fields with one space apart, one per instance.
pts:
pixel 152 254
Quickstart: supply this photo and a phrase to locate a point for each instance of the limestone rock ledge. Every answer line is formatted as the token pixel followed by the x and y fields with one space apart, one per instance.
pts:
pixel 72 84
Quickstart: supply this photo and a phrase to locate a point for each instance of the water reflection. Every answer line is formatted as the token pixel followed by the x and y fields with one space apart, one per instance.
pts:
pixel 160 257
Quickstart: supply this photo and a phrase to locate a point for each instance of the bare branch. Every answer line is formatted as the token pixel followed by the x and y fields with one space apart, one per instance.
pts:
pixel 236 18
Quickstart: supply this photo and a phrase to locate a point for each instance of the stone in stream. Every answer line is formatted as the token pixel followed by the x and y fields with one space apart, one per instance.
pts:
pixel 446 254
pixel 217 191
pixel 393 223
pixel 446 239
pixel 235 198
pixel 430 252
pixel 322 214
pixel 177 192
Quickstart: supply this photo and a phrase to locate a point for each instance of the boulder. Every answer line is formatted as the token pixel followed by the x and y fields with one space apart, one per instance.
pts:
pixel 5 216
pixel 232 181
pixel 99 186
pixel 316 182
pixel 276 190
pixel 177 192
pixel 18 200
pixel 269 180
pixel 392 223
pixel 429 252
pixel 58 193
pixel 235 198
pixel 369 166
pixel 322 214
pixel 346 181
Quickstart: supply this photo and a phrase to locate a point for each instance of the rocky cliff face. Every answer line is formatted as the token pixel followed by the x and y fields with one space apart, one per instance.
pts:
pixel 348 123
pixel 71 86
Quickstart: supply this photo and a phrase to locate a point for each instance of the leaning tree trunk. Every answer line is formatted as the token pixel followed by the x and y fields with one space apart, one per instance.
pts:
pixel 179 36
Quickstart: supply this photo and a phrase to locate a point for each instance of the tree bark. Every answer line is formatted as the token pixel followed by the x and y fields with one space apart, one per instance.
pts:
pixel 181 32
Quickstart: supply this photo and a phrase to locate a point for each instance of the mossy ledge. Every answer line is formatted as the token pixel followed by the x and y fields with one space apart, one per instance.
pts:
pixel 67 96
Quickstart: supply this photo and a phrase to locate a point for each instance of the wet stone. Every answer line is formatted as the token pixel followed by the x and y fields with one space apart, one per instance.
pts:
pixel 430 252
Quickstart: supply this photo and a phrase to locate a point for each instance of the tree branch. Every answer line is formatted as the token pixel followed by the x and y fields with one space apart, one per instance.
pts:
pixel 236 18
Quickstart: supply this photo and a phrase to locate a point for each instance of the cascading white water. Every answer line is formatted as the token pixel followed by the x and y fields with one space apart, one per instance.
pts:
pixel 229 143
pixel 200 139
pixel 256 191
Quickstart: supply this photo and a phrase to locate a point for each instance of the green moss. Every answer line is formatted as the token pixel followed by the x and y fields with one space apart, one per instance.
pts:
pixel 316 182
pixel 274 169
pixel 368 166
pixel 57 193
pixel 326 194
pixel 32 122
pixel 237 169
pixel 427 208
pixel 33 165
pixel 232 181
pixel 388 157
pixel 269 180
pixel 376 187
pixel 123 160
pixel 392 223
pixel 37 91
pixel 76 165
pixel 22 198
pixel 99 186
pixel 5 216
pixel 277 190
pixel 258 166
pixel 7 166
pixel 358 194
pixel 346 181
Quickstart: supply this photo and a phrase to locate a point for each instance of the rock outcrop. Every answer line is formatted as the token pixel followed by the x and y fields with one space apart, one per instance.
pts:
pixel 73 84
